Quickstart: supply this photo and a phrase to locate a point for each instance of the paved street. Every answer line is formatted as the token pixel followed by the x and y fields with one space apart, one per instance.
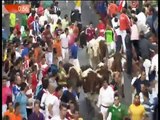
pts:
pixel 88 14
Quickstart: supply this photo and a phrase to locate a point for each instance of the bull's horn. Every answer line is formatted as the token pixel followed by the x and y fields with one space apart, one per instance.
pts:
pixel 100 76
pixel 85 73
pixel 100 64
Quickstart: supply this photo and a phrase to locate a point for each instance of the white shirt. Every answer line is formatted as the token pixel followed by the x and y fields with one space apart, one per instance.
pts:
pixel 115 24
pixel 53 100
pixel 155 90
pixel 49 58
pixel 134 32
pixel 142 97
pixel 154 62
pixel 30 100
pixel 51 27
pixel 44 96
pixel 141 17
pixel 55 18
pixel 106 96
pixel 64 40
pixel 42 19
pixel 143 27
pixel 46 13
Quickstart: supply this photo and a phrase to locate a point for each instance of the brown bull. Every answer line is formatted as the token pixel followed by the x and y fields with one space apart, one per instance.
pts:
pixel 85 67
pixel 103 51
pixel 67 66
pixel 104 72
pixel 117 65
pixel 73 78
pixel 92 83
pixel 97 50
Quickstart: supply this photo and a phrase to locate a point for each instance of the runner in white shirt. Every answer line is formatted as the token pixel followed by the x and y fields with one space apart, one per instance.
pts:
pixel 52 104
pixel 42 19
pixel 42 105
pixel 63 112
pixel 46 13
pixel 64 43
pixel 105 98
pixel 55 18
pixel 154 64
pixel 141 16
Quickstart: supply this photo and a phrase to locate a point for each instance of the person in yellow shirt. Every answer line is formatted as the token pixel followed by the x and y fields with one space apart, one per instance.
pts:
pixel 136 110
pixel 12 19
pixel 78 5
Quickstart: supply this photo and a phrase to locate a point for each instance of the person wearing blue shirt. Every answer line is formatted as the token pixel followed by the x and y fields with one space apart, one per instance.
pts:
pixel 23 100
pixel 15 90
pixel 74 54
pixel 25 51
pixel 4 37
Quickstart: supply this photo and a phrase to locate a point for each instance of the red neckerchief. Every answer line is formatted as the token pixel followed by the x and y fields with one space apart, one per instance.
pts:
pixel 56 94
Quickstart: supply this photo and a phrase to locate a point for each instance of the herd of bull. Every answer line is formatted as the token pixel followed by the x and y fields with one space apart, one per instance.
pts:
pixel 103 66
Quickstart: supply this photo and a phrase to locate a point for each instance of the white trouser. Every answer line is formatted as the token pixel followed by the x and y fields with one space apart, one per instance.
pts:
pixel 49 58
pixel 4 109
pixel 123 35
pixel 30 32
pixel 104 112
pixel 65 54
pixel 75 62
pixel 147 72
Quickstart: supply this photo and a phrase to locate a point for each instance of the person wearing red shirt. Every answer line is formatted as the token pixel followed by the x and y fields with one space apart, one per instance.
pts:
pixel 34 78
pixel 47 36
pixel 90 32
pixel 30 21
pixel 124 25
pixel 101 28
pixel 6 92
pixel 18 27
pixel 124 21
